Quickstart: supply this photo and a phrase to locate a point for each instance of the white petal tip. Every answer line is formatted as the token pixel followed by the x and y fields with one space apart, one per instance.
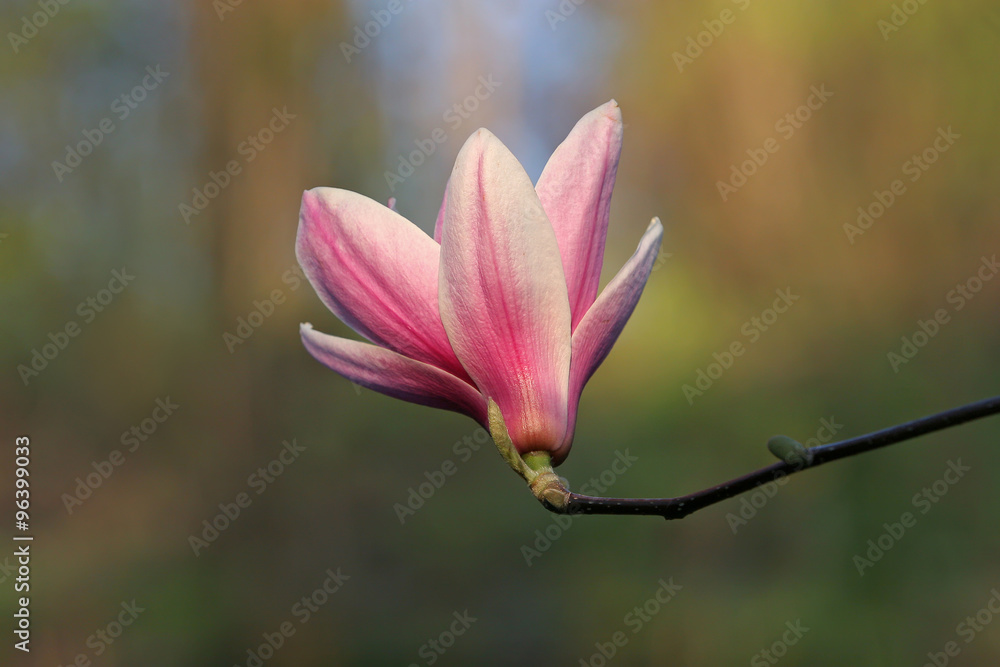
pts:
pixel 477 143
pixel 316 193
pixel 611 111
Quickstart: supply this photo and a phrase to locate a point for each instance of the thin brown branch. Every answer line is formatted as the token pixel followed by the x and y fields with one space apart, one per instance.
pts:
pixel 680 507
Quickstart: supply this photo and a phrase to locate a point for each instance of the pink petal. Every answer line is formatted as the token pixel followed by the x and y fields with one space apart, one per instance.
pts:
pixel 600 327
pixel 503 292
pixel 575 191
pixel 376 271
pixel 393 374
pixel 439 224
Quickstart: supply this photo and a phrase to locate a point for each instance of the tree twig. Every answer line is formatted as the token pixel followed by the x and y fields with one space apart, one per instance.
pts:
pixel 680 507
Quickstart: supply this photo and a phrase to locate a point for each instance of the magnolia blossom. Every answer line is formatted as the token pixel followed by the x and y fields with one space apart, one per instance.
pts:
pixel 501 304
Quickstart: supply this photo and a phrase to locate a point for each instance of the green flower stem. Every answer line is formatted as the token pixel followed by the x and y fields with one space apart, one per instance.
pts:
pixel 534 467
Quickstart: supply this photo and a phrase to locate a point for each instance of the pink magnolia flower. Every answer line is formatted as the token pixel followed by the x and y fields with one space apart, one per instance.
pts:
pixel 501 304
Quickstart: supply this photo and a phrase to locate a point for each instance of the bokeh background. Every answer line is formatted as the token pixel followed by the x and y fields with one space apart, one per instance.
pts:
pixel 359 104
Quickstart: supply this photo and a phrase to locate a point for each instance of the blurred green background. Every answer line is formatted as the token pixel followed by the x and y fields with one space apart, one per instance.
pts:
pixel 360 102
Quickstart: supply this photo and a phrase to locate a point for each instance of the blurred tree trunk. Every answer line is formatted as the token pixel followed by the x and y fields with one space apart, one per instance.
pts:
pixel 251 59
pixel 256 57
